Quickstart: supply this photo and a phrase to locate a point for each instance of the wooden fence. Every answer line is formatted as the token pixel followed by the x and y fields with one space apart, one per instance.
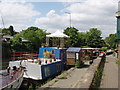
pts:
pixel 24 55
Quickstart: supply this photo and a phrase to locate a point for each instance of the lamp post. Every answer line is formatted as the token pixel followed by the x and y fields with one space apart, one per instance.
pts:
pixel 3 22
pixel 70 17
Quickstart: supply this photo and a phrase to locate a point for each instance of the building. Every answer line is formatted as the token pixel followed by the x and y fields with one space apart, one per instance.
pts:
pixel 118 28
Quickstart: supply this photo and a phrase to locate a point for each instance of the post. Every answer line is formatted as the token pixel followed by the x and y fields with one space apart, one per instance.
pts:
pixel 70 17
pixel 47 41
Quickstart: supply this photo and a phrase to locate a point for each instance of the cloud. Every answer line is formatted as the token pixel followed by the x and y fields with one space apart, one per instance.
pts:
pixel 52 21
pixel 85 15
pixel 19 27
pixel 17 13
pixel 42 0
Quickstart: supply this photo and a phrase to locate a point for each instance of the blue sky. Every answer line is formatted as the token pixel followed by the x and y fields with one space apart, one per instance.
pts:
pixel 51 16
pixel 45 7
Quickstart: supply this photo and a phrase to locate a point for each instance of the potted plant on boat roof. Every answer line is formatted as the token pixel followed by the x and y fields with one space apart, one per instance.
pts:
pixel 39 61
pixel 47 54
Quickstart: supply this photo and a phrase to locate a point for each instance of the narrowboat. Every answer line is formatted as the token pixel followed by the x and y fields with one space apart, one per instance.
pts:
pixel 75 54
pixel 11 78
pixel 50 62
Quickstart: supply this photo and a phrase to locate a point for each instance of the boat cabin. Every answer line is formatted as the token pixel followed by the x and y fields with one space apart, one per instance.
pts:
pixel 91 52
pixel 73 54
pixel 53 53
pixel 80 54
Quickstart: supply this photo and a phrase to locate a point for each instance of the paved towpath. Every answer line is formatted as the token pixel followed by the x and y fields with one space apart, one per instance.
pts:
pixel 110 74
pixel 68 79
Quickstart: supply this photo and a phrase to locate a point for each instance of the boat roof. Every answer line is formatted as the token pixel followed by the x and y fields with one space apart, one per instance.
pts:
pixel 73 49
pixel 53 48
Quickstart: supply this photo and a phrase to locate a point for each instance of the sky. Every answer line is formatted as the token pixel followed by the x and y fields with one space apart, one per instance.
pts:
pixel 51 15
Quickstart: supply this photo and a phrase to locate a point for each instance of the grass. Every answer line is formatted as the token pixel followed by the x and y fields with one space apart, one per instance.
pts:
pixel 98 75
pixel 62 77
pixel 49 84
pixel 113 54
pixel 56 80
pixel 118 62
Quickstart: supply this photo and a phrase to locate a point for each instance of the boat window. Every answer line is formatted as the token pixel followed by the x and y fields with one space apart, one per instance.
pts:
pixel 45 50
pixel 53 51
pixel 70 55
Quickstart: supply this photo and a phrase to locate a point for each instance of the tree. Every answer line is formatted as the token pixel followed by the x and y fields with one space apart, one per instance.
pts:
pixel 81 39
pixel 94 38
pixel 73 33
pixel 16 43
pixel 35 35
pixel 5 31
pixel 8 31
pixel 111 41
pixel 12 32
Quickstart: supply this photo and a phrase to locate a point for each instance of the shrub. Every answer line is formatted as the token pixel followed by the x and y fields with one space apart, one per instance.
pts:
pixel 104 49
pixel 87 58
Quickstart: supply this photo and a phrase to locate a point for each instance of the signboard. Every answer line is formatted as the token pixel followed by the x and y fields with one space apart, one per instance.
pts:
pixel 77 56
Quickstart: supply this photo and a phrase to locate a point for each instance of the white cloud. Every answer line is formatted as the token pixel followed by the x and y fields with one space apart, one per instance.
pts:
pixel 19 27
pixel 85 15
pixel 42 0
pixel 17 13
pixel 52 21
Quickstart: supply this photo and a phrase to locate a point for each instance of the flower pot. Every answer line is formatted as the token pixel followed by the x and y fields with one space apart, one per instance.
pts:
pixel 50 60
pixel 39 62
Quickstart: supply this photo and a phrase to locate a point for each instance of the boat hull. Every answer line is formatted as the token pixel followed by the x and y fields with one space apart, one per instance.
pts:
pixel 12 83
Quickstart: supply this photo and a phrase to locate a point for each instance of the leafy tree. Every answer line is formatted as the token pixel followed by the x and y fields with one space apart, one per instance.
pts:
pixel 73 33
pixel 5 31
pixel 81 39
pixel 111 41
pixel 12 32
pixel 35 35
pixel 104 49
pixel 16 43
pixel 8 31
pixel 94 38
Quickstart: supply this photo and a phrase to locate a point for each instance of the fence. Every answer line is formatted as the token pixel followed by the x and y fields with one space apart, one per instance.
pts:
pixel 24 55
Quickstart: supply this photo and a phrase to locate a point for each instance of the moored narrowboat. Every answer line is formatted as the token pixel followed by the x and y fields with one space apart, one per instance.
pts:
pixel 50 62
pixel 11 78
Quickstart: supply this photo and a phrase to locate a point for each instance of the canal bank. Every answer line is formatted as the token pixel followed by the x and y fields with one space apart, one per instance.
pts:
pixel 75 77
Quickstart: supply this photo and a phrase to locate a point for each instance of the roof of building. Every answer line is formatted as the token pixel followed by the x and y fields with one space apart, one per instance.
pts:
pixel 11 37
pixel 57 34
pixel 73 49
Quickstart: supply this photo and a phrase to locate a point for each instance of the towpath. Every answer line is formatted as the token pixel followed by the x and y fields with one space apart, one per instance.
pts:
pixel 67 79
pixel 110 74
pixel 74 77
